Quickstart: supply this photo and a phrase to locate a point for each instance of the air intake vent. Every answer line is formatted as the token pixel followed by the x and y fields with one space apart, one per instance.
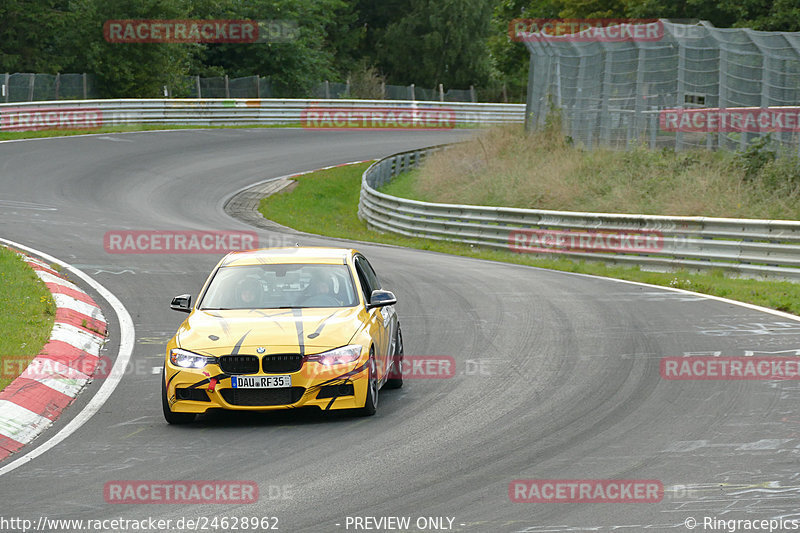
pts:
pixel 239 364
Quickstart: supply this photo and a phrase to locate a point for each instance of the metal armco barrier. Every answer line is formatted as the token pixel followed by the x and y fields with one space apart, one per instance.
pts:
pixel 752 248
pixel 232 112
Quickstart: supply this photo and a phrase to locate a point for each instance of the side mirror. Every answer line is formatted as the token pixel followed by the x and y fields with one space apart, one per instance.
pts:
pixel 182 303
pixel 381 298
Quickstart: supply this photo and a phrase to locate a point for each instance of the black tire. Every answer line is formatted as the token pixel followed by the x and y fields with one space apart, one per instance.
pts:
pixel 169 416
pixel 395 380
pixel 371 401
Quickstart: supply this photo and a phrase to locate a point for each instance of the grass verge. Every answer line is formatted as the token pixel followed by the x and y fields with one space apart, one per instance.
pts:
pixel 326 203
pixel 27 317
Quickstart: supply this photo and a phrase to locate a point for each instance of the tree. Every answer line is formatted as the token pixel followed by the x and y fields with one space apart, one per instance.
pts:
pixel 29 31
pixel 125 70
pixel 509 59
pixel 293 66
pixel 443 41
pixel 372 19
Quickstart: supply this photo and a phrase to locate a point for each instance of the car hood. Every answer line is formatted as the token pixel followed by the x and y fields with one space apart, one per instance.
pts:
pixel 311 330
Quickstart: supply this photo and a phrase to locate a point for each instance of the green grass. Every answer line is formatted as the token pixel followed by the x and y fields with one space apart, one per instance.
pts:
pixel 326 203
pixel 28 311
pixel 15 135
pixel 405 186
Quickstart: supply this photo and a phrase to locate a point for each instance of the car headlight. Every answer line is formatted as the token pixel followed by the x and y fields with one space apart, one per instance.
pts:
pixel 186 359
pixel 338 356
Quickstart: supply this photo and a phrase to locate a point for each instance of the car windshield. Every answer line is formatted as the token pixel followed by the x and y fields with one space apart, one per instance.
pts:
pixel 280 286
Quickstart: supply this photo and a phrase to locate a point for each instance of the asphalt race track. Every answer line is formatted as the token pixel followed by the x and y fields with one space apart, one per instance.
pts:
pixel 557 374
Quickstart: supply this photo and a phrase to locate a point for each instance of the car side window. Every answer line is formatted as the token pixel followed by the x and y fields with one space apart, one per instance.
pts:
pixel 369 281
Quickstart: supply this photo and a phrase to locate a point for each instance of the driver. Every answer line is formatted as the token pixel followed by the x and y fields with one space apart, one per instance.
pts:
pixel 248 292
pixel 318 285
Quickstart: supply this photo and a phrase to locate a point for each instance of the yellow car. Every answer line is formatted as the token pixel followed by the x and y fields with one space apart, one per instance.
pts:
pixel 283 328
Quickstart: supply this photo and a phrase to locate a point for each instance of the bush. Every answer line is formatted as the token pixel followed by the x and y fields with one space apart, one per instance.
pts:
pixel 366 82
pixel 757 154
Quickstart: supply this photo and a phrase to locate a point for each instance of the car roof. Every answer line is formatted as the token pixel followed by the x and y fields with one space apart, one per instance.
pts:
pixel 295 254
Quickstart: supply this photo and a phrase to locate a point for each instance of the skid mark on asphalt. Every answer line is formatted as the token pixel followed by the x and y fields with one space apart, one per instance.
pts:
pixel 27 205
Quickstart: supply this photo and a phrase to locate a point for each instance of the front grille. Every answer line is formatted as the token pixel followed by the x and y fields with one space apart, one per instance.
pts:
pixel 239 364
pixel 263 397
pixel 287 362
pixel 334 391
pixel 197 395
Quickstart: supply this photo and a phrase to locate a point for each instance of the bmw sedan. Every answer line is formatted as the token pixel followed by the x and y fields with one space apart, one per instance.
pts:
pixel 283 328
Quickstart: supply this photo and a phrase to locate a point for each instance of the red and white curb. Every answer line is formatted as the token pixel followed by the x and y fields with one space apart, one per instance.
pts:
pixel 53 379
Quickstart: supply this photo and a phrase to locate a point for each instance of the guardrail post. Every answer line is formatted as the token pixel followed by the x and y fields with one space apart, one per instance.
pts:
pixel 6 88
pixel 197 84
pixel 472 96
pixel 653 127
pixel 58 84
pixel 681 90
pixel 723 88
pixel 638 105
pixel 389 172
pixel 530 123
pixel 441 93
pixel 411 90
pixel 227 87
pixel 30 87
pixel 85 87
pixel 605 113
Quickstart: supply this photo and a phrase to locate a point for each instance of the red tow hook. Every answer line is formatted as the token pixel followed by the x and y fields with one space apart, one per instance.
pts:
pixel 212 383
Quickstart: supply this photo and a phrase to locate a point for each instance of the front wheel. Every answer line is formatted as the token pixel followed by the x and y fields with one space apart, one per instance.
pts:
pixel 371 400
pixel 169 416
pixel 395 380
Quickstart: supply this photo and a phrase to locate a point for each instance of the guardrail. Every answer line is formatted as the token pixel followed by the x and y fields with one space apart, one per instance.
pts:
pixel 229 112
pixel 752 248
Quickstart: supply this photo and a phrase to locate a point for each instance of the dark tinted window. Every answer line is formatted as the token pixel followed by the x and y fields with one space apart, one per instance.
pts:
pixel 272 286
pixel 369 281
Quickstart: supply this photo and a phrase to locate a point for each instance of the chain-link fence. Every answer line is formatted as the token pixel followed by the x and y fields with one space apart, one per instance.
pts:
pixel 23 87
pixel 224 87
pixel 257 87
pixel 43 87
pixel 691 86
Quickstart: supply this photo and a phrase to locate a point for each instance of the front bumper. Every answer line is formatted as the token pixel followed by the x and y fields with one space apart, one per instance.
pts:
pixel 191 390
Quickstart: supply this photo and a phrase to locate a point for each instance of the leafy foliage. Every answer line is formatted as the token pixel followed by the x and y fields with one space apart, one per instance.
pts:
pixel 757 154
pixel 454 42
pixel 439 42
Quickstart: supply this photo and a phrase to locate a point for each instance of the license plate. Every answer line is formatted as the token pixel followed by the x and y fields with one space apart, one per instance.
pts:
pixel 261 382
